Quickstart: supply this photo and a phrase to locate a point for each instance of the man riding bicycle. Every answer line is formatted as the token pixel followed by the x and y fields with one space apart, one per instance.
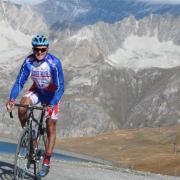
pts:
pixel 48 87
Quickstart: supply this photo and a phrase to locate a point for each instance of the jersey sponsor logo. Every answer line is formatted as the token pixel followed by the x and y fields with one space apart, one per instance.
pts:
pixel 41 75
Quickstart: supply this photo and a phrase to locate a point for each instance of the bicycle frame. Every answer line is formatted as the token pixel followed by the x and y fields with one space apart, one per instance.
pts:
pixel 31 115
pixel 33 150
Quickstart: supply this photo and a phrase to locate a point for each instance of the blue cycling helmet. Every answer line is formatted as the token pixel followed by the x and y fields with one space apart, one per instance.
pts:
pixel 40 40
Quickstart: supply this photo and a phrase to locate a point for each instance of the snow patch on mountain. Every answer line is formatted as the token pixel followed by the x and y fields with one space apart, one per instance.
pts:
pixel 145 52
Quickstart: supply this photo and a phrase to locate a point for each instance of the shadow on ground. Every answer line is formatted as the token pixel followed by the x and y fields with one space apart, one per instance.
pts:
pixel 6 172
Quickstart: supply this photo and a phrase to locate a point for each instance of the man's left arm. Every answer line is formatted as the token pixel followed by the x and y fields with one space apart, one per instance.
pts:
pixel 58 80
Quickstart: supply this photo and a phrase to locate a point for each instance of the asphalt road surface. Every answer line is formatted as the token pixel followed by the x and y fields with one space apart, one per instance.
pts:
pixel 67 170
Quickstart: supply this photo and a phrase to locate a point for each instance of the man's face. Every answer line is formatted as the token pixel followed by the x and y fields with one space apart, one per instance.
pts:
pixel 40 52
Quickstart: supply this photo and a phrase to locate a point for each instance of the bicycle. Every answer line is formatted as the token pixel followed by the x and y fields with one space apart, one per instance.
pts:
pixel 30 151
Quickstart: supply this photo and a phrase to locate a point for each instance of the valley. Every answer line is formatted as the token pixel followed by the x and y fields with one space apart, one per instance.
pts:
pixel 154 150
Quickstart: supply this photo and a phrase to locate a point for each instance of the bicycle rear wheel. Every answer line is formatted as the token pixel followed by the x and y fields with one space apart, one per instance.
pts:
pixel 21 162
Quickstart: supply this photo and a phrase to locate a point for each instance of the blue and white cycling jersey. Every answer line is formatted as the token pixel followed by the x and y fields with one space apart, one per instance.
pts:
pixel 47 77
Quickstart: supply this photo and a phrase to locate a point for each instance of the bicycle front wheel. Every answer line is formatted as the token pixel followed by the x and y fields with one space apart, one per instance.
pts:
pixel 22 155
pixel 40 152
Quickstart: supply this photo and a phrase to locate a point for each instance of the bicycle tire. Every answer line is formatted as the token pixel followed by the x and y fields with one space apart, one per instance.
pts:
pixel 22 155
pixel 40 152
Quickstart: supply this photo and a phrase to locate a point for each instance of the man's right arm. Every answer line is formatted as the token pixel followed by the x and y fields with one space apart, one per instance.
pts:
pixel 20 80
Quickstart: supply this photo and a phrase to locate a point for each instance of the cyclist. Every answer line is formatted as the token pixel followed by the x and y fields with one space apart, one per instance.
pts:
pixel 46 73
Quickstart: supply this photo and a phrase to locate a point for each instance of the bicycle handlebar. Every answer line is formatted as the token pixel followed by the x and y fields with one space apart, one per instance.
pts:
pixel 31 107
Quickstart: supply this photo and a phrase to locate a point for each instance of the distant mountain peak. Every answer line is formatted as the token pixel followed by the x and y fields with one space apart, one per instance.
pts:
pixel 85 12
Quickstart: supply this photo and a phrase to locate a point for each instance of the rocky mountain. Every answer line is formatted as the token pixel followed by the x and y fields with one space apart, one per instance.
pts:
pixel 24 18
pixel 119 72
pixel 117 43
pixel 72 13
pixel 125 68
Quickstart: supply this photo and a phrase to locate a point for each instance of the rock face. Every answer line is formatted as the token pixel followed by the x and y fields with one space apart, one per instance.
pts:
pixel 119 75
pixel 114 99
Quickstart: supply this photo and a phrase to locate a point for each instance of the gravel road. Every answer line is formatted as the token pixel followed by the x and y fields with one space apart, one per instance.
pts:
pixel 66 170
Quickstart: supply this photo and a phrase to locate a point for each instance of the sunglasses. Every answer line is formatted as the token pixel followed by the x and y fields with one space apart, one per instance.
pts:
pixel 40 49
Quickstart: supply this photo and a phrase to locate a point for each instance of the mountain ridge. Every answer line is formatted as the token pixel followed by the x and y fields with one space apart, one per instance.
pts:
pixel 75 13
